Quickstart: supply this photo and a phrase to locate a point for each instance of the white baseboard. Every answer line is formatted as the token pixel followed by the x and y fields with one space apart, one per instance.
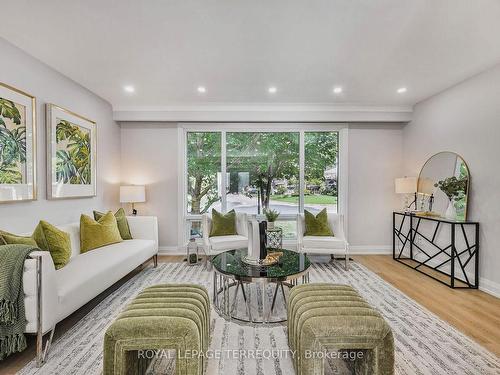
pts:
pixel 355 250
pixel 489 287
pixel 171 250
pixel 370 249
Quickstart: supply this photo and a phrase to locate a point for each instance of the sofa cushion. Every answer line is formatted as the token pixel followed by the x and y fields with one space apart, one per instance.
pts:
pixel 95 234
pixel 54 240
pixel 73 231
pixel 7 238
pixel 89 274
pixel 121 220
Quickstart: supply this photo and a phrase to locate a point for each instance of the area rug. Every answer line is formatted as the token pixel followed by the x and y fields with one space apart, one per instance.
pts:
pixel 425 344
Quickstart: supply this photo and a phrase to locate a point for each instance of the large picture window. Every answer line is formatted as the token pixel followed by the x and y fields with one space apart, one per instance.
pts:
pixel 287 171
pixel 263 171
pixel 320 171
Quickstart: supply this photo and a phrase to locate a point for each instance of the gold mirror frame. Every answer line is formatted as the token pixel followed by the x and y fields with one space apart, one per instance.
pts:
pixel 468 175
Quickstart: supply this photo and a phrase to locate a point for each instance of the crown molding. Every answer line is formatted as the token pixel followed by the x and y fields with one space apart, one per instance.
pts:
pixel 265 113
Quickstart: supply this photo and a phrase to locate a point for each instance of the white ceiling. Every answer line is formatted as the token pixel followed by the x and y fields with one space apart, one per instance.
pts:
pixel 238 48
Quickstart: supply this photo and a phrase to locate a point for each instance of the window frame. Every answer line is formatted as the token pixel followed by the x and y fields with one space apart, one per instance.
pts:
pixel 224 128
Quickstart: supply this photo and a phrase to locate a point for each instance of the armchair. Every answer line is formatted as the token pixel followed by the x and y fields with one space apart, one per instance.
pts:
pixel 324 244
pixel 218 244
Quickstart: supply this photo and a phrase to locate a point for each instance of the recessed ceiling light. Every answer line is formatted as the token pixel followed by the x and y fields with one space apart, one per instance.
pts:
pixel 272 90
pixel 201 89
pixel 402 90
pixel 337 90
pixel 129 88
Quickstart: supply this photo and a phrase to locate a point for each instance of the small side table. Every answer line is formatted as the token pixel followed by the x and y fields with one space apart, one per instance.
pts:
pixel 274 238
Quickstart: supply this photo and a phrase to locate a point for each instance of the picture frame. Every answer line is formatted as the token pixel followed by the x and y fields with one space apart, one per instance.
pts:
pixel 71 154
pixel 18 179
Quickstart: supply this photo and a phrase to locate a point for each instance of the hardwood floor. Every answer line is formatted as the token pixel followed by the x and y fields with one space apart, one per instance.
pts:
pixel 475 313
pixel 472 312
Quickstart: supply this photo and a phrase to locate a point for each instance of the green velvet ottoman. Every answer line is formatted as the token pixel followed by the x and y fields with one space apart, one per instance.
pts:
pixel 161 317
pixel 328 318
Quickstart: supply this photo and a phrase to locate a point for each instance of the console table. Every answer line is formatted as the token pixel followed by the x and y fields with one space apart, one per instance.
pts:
pixel 446 250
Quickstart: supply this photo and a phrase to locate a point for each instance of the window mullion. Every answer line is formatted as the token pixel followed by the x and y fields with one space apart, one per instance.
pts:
pixel 301 170
pixel 223 172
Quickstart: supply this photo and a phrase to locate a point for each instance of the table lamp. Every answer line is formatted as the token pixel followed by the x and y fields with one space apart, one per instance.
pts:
pixel 407 186
pixel 133 194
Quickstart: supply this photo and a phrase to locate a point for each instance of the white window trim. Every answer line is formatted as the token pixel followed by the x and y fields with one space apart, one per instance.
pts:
pixel 223 128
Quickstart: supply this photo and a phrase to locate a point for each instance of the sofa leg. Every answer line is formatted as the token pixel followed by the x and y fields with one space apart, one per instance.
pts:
pixel 41 352
pixel 155 260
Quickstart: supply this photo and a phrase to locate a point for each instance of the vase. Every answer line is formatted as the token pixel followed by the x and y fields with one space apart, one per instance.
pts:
pixel 270 225
pixel 451 211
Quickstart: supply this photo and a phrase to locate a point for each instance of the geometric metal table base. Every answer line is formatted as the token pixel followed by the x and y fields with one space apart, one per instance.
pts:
pixel 454 258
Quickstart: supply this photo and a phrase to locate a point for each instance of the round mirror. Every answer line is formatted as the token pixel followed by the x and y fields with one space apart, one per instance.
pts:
pixel 444 183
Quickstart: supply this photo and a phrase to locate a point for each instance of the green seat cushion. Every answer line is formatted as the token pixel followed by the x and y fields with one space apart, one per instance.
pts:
pixel 54 240
pixel 121 220
pixel 223 225
pixel 317 225
pixel 7 238
pixel 95 234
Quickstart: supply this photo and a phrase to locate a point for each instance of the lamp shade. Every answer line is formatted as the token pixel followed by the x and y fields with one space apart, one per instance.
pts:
pixel 132 194
pixel 406 185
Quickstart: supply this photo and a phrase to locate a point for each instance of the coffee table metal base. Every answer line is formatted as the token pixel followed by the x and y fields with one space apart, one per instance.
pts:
pixel 225 304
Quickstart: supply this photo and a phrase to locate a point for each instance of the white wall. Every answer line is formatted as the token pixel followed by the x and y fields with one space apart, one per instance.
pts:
pixel 24 72
pixel 150 156
pixel 466 119
pixel 375 160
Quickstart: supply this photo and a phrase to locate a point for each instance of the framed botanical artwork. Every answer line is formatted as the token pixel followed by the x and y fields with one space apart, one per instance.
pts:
pixel 71 154
pixel 17 145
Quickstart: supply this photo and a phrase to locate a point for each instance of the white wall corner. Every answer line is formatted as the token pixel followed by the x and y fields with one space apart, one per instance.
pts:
pixel 489 287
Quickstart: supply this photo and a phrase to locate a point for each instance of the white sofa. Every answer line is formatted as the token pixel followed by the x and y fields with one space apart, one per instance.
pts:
pixel 51 295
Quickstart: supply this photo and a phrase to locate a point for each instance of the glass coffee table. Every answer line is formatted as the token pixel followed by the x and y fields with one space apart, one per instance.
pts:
pixel 250 293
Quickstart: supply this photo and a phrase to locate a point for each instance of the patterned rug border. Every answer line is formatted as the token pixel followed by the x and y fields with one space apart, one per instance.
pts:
pixel 151 276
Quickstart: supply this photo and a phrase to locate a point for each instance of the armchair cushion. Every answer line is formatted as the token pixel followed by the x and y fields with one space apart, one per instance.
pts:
pixel 317 225
pixel 223 225
pixel 221 243
pixel 323 242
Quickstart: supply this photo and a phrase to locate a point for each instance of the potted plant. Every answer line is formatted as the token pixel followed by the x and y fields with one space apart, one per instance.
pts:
pixel 454 188
pixel 271 217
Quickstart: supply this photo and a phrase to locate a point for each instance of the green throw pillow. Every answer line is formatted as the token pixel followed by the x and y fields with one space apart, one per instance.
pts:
pixel 94 234
pixel 121 220
pixel 54 240
pixel 223 225
pixel 317 225
pixel 13 239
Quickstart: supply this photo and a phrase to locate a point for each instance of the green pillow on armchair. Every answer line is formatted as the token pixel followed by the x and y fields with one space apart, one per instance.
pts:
pixel 223 225
pixel 317 225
